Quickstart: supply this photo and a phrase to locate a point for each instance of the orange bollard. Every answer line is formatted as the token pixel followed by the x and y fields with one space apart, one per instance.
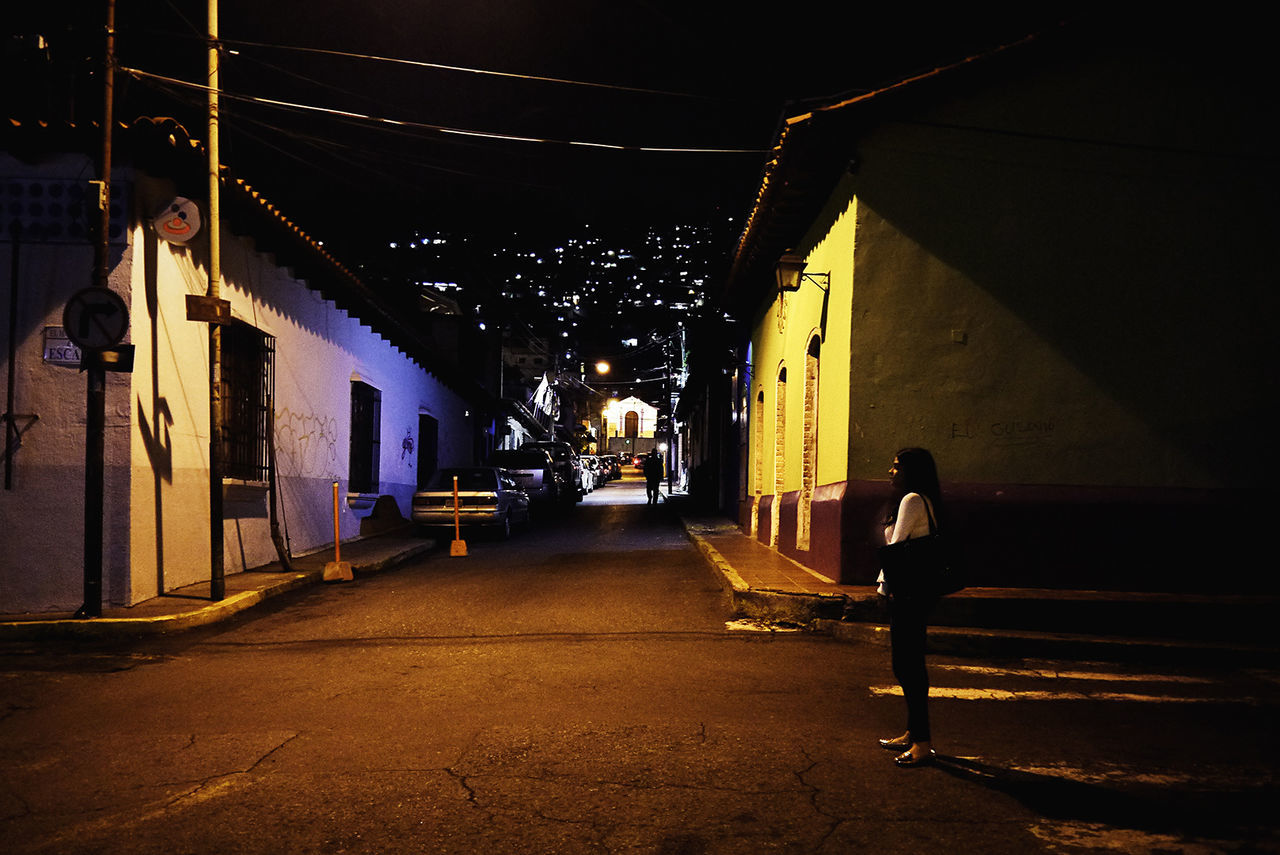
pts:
pixel 337 570
pixel 457 549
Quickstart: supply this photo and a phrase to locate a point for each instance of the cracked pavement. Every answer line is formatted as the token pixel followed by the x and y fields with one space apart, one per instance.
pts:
pixel 576 690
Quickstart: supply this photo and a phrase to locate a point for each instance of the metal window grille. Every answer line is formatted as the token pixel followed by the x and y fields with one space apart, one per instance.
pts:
pixel 248 387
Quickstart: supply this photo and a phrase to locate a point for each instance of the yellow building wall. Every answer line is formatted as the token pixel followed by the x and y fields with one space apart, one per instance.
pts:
pixel 776 345
pixel 944 365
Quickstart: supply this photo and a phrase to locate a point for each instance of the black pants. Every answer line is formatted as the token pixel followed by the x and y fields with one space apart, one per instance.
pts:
pixel 908 622
pixel 653 488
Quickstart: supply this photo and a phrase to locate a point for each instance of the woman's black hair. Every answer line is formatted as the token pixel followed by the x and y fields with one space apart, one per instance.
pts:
pixel 917 473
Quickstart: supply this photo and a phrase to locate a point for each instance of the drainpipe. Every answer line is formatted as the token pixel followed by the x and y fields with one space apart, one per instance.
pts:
pixel 10 425
pixel 282 546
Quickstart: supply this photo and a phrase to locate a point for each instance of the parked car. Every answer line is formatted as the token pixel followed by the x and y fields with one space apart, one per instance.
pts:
pixel 592 464
pixel 532 469
pixel 567 465
pixel 613 466
pixel 487 496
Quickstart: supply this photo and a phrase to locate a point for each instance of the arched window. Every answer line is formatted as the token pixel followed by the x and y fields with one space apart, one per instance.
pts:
pixel 779 453
pixel 631 424
pixel 809 449
pixel 757 456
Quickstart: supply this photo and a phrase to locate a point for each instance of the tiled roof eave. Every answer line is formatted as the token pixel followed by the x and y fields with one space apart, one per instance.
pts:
pixel 812 150
pixel 162 146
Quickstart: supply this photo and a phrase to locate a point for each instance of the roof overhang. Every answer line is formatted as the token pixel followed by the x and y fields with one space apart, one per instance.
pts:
pixel 814 147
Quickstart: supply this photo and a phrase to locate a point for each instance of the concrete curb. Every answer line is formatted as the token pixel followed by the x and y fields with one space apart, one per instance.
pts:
pixel 718 562
pixel 133 627
pixel 973 642
pixel 106 627
pixel 854 619
pixel 391 561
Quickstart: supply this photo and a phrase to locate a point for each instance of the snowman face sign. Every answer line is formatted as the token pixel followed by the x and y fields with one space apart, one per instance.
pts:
pixel 178 222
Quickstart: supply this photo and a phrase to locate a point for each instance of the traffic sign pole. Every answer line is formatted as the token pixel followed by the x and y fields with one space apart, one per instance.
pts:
pixel 95 319
pixel 94 487
pixel 104 318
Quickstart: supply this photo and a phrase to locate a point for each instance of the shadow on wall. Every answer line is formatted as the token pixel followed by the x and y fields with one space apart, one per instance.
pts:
pixel 1142 257
pixel 384 517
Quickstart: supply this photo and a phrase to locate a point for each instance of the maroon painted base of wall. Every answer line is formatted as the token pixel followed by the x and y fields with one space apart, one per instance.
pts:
pixel 1078 538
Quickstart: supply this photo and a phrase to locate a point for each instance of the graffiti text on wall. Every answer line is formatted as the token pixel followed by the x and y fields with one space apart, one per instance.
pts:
pixel 306 444
pixel 1005 434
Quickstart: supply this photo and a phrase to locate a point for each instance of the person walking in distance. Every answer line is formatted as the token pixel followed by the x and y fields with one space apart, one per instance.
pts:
pixel 653 476
pixel 916 499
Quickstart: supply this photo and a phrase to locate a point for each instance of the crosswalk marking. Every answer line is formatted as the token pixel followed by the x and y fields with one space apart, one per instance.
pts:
pixel 989 694
pixel 1051 674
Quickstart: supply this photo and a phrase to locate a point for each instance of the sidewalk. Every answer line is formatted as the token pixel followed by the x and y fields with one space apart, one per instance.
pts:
pixel 999 622
pixel 190 607
pixel 772 589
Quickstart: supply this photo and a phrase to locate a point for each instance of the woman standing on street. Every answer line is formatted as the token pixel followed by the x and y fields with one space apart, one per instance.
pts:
pixel 912 513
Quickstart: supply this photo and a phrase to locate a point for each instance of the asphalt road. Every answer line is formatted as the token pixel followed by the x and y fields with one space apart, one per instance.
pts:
pixel 577 689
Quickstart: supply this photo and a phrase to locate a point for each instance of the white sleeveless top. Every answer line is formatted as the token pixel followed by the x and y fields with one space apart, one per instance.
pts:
pixel 912 521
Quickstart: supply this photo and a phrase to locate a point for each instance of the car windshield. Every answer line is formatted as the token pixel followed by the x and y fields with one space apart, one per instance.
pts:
pixel 557 452
pixel 469 480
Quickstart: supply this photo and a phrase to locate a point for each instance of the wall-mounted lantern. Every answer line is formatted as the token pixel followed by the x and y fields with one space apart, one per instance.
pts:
pixel 790 273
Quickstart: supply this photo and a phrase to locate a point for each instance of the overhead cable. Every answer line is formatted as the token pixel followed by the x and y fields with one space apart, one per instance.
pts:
pixel 463 69
pixel 443 129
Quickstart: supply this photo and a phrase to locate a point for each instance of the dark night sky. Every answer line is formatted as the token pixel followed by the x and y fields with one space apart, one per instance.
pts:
pixel 730 71
pixel 342 179
pixel 726 73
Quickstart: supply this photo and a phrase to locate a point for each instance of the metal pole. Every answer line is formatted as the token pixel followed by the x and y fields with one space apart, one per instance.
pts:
pixel 217 582
pixel 337 531
pixel 96 393
pixel 94 486
pixel 671 443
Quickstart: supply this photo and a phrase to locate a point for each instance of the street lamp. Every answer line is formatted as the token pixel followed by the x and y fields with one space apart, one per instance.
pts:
pixel 790 273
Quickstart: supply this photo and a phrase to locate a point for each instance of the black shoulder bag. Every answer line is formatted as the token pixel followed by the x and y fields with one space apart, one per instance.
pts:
pixel 921 567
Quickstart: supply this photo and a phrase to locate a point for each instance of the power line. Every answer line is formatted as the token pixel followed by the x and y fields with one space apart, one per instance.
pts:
pixel 464 69
pixel 443 129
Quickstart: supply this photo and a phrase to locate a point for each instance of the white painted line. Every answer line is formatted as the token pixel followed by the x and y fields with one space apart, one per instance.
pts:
pixel 814 573
pixel 1009 695
pixel 1050 674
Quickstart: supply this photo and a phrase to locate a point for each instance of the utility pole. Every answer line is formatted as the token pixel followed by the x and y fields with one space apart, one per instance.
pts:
pixel 217 582
pixel 671 420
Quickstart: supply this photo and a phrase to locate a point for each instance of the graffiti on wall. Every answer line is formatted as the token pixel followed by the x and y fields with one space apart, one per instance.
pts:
pixel 306 444
pixel 1007 434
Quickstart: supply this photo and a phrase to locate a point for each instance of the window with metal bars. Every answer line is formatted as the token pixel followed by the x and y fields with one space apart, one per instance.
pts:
pixel 248 388
pixel 366 431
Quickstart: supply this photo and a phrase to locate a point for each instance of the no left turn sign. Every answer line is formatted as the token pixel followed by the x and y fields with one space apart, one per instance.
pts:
pixel 95 318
